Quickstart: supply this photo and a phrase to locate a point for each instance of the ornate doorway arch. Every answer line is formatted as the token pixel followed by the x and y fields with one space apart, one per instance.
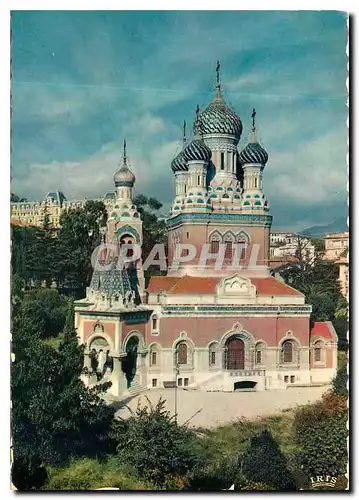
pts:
pixel 129 364
pixel 235 353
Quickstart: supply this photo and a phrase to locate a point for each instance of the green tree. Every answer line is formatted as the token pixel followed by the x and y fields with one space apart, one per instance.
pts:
pixel 319 284
pixel 154 445
pixel 321 434
pixel 341 380
pixel 263 462
pixel 44 311
pixel 54 416
pixel 154 230
pixel 78 236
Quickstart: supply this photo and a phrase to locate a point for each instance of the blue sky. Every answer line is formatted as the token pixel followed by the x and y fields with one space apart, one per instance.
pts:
pixel 84 81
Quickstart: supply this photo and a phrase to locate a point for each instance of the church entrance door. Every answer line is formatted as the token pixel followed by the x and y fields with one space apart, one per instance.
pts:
pixel 129 365
pixel 235 354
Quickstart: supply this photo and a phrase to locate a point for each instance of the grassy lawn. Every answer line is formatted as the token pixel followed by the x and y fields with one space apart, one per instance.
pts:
pixel 229 440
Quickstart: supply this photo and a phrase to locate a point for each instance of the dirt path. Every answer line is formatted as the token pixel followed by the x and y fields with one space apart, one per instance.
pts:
pixel 217 408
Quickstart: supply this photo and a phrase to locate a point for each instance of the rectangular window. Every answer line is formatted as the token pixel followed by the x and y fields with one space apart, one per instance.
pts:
pixel 154 382
pixel 213 358
pixel 154 323
pixel 286 379
pixel 317 354
pixel 198 180
pixel 179 382
pixel 292 379
pixel 153 358
pixel 186 382
pixel 258 357
pixel 222 161
pixel 255 183
pixel 234 162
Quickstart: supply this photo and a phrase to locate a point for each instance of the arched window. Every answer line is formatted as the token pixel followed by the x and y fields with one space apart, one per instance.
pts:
pixel 215 245
pixel 243 243
pixel 259 353
pixel 228 240
pixel 288 351
pixel 182 353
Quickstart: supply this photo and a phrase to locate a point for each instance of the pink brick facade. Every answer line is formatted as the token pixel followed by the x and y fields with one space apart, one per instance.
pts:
pixel 203 331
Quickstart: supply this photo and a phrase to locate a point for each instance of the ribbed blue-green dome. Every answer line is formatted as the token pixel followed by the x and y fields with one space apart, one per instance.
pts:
pixel 197 150
pixel 179 163
pixel 253 153
pixel 218 118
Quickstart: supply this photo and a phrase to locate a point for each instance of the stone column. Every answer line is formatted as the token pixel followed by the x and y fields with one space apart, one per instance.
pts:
pixel 86 377
pixel 141 366
pixel 118 378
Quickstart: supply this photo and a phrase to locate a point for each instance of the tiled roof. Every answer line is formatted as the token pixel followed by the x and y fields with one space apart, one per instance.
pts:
pixel 323 329
pixel 202 286
pixel 17 222
pixel 111 282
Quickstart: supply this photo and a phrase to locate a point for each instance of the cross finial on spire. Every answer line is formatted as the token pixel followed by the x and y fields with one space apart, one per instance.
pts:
pixel 184 134
pixel 218 67
pixel 124 152
pixel 253 137
pixel 254 119
pixel 197 129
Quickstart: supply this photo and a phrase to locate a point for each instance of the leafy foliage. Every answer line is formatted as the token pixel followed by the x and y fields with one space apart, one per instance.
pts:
pixel 263 462
pixel 154 445
pixel 42 254
pixel 243 484
pixel 320 286
pixel 91 474
pixel 154 230
pixel 321 434
pixel 43 312
pixel 213 475
pixel 54 416
pixel 340 381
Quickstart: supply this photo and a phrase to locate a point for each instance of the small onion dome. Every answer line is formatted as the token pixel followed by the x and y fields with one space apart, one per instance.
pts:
pixel 197 150
pixel 124 177
pixel 218 118
pixel 253 153
pixel 179 163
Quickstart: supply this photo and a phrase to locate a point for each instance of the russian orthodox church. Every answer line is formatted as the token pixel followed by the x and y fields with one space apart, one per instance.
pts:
pixel 203 326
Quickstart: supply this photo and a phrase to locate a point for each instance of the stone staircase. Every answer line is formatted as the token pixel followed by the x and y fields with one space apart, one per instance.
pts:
pixel 135 389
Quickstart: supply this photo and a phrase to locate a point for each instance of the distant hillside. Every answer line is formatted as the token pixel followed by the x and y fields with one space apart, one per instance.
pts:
pixel 337 226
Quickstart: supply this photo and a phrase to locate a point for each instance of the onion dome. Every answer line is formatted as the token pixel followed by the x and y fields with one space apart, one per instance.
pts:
pixel 124 176
pixel 253 152
pixel 218 118
pixel 197 149
pixel 179 163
